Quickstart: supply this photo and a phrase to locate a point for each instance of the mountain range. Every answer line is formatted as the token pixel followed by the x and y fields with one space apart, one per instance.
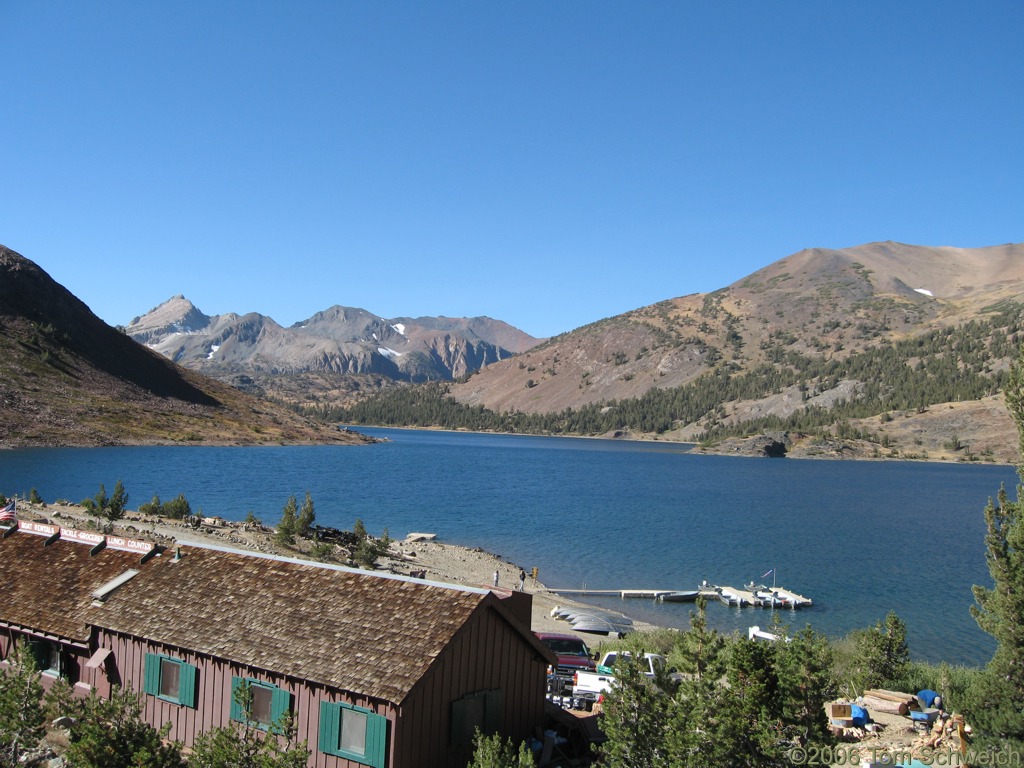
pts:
pixel 68 378
pixel 828 342
pixel 830 304
pixel 898 350
pixel 314 358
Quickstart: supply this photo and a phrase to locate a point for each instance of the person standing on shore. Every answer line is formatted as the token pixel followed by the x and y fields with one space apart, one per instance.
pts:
pixel 522 579
pixel 495 577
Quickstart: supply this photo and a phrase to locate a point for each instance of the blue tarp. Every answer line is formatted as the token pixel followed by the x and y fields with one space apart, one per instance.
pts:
pixel 860 715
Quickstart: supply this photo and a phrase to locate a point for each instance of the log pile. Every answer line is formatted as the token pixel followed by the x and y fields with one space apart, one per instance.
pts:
pixel 893 702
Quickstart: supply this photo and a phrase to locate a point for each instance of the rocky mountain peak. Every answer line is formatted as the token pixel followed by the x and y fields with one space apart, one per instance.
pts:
pixel 176 315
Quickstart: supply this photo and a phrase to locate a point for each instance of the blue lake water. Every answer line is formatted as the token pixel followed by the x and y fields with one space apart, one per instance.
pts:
pixel 860 538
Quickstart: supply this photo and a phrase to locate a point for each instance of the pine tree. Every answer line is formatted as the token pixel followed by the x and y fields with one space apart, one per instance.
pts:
pixel 111 733
pixel 117 504
pixel 806 685
pixel 751 730
pixel 22 716
pixel 883 654
pixel 694 715
pixel 98 504
pixel 635 718
pixel 245 745
pixel 286 528
pixel 496 752
pixel 1000 609
pixel 307 516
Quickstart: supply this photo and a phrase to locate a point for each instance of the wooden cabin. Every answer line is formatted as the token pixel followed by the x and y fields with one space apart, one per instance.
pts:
pixel 376 669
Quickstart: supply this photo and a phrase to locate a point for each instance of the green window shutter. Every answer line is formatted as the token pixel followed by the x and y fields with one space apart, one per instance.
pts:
pixel 376 734
pixel 187 685
pixel 151 676
pixel 376 740
pixel 236 708
pixel 280 704
pixel 330 727
pixel 492 710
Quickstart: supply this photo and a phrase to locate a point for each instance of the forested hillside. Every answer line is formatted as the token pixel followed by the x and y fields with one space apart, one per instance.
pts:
pixel 945 365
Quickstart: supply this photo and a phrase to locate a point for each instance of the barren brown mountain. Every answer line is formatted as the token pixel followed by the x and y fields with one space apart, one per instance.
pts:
pixel 827 304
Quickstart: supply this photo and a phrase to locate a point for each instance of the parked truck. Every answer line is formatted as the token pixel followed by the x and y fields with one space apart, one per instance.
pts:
pixel 589 687
pixel 573 656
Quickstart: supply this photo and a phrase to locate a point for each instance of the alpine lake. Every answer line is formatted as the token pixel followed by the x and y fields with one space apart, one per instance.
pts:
pixel 860 538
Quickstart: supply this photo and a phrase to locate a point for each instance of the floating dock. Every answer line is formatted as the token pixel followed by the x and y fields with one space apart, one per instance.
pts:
pixel 728 595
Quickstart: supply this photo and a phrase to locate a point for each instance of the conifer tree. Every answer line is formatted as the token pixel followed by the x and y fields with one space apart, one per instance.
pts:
pixel 286 528
pixel 117 504
pixel 806 685
pixel 635 718
pixel 307 516
pixel 1000 609
pixel 883 652
pixel 692 740
pixel 496 752
pixel 245 744
pixel 98 504
pixel 22 716
pixel 111 733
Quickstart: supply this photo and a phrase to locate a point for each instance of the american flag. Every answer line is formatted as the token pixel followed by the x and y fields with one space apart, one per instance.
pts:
pixel 9 512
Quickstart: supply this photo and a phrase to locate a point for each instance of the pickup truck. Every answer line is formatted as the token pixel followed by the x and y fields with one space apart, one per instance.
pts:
pixel 573 656
pixel 589 687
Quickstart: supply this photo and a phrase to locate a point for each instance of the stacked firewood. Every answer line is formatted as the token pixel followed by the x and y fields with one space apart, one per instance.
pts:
pixel 947 731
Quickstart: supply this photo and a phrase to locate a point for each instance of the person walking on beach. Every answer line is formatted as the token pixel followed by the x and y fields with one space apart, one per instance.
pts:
pixel 495 577
pixel 522 579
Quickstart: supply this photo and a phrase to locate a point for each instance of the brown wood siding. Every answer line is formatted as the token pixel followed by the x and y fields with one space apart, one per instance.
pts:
pixel 213 697
pixel 487 653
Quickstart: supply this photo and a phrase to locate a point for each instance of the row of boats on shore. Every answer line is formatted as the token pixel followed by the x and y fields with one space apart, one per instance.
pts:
pixel 753 594
pixel 594 620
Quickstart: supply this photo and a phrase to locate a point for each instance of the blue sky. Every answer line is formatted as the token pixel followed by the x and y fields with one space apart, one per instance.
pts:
pixel 545 163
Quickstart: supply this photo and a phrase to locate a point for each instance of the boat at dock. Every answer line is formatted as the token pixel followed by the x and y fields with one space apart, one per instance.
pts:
pixel 777 597
pixel 682 596
pixel 737 597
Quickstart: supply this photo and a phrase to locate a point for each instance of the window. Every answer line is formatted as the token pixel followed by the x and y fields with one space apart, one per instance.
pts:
pixel 354 733
pixel 170 679
pixel 47 656
pixel 267 705
pixel 477 710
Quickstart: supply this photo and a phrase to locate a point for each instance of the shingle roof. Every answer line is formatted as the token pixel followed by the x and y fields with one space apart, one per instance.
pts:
pixel 48 587
pixel 347 629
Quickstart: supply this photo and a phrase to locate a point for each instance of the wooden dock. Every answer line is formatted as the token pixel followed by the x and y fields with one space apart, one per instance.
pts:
pixel 650 594
pixel 729 595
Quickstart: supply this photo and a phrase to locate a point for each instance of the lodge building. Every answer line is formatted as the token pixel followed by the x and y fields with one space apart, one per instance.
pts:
pixel 376 669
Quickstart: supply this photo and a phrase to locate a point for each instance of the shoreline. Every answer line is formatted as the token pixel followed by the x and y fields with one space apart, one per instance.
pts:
pixel 725 448
pixel 442 562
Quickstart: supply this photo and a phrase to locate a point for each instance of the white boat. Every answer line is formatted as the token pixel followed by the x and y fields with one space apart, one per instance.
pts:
pixel 777 597
pixel 683 596
pixel 733 596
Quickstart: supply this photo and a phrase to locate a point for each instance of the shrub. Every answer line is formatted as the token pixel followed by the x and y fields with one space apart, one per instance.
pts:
pixel 495 752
